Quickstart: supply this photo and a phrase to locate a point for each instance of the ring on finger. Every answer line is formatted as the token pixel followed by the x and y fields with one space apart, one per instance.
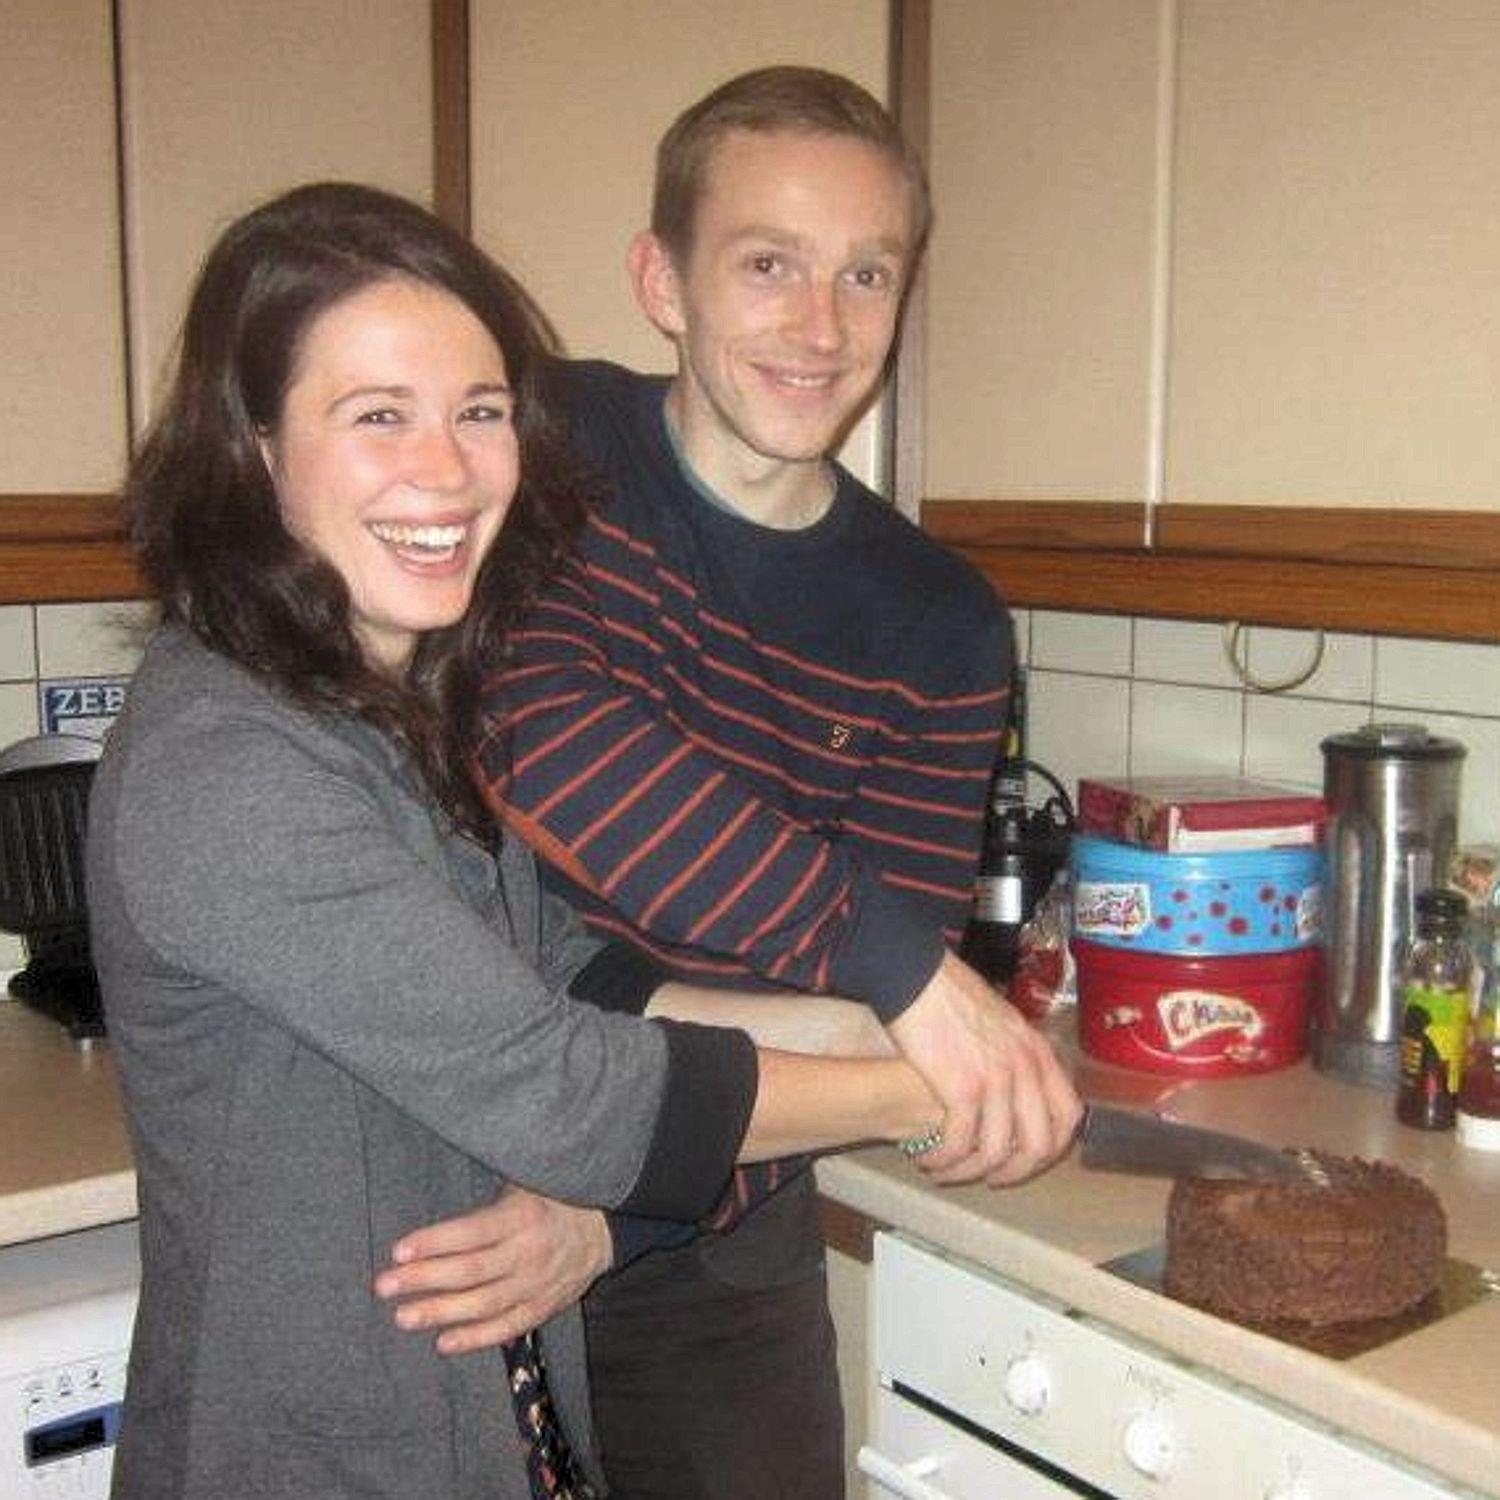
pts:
pixel 922 1144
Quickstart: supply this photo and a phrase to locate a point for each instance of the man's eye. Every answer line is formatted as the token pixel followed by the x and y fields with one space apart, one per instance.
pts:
pixel 764 263
pixel 873 278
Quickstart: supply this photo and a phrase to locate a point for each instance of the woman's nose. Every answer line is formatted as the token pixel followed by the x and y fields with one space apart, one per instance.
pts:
pixel 438 461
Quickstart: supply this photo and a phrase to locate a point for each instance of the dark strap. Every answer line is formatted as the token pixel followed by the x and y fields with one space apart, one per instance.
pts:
pixel 552 1468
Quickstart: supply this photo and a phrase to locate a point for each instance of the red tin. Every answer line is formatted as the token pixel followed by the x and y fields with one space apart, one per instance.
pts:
pixel 1195 1017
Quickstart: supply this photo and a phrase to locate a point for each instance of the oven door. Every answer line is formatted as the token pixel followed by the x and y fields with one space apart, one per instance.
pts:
pixel 923 1456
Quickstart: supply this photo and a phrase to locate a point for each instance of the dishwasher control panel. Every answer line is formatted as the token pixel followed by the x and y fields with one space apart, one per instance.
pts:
pixel 986 1389
pixel 66 1309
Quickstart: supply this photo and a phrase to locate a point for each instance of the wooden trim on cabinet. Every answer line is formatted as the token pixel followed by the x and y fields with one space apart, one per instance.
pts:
pixel 450 113
pixel 63 549
pixel 911 103
pixel 1419 573
pixel 1335 534
pixel 847 1230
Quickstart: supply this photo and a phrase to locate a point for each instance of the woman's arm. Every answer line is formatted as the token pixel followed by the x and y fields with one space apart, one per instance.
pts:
pixel 787 1022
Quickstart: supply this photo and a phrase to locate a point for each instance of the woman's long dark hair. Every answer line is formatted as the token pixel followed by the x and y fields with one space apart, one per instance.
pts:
pixel 203 513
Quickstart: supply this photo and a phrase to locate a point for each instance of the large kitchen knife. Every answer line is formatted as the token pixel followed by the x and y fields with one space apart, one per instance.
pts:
pixel 1124 1140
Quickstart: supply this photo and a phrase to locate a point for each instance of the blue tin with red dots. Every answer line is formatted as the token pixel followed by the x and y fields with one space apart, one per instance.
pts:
pixel 1210 904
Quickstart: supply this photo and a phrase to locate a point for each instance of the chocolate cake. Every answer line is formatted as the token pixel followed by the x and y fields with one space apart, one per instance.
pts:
pixel 1367 1244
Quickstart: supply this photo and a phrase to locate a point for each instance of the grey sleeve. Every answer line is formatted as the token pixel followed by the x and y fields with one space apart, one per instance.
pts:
pixel 273 868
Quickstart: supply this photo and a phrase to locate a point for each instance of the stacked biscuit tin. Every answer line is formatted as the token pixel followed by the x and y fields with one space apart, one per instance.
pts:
pixel 1202 958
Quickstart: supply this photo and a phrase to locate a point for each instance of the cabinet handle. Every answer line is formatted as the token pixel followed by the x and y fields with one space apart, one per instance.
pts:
pixel 905 1480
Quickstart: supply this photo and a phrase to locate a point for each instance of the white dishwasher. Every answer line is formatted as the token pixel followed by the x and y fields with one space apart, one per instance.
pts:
pixel 991 1392
pixel 67 1305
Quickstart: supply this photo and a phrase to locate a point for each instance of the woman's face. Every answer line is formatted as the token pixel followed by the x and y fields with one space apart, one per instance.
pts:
pixel 395 458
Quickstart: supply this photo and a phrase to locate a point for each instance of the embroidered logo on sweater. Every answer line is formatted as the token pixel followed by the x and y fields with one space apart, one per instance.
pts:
pixel 839 736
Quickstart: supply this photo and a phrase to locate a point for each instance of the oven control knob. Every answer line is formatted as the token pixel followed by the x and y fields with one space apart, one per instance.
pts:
pixel 1151 1443
pixel 1028 1385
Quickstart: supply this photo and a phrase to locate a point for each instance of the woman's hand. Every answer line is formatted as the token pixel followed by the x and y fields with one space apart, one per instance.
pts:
pixel 489 1276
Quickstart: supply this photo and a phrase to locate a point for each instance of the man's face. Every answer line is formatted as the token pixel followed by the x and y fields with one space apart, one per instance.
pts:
pixel 785 305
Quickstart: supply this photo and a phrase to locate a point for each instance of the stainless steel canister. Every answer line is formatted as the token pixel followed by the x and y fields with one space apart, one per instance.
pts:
pixel 1392 795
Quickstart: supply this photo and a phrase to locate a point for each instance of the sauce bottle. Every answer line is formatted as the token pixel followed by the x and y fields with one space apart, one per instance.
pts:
pixel 1479 1085
pixel 1436 985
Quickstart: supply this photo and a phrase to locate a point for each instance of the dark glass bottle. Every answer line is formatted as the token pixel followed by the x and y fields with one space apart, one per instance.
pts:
pixel 1001 900
pixel 1436 985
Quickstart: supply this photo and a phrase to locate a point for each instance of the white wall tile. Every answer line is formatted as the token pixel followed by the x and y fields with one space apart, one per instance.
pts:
pixel 17 642
pixel 1182 651
pixel 1184 729
pixel 1479 786
pixel 90 640
pixel 1079 726
pixel 18 712
pixel 1346 670
pixel 1283 735
pixel 1448 676
pixel 1021 619
pixel 1065 642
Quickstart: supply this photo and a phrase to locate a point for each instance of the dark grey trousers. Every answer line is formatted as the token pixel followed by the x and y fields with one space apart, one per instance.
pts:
pixel 705 1388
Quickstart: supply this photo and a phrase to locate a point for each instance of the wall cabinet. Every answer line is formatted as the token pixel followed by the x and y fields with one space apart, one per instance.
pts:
pixel 1221 276
pixel 61 318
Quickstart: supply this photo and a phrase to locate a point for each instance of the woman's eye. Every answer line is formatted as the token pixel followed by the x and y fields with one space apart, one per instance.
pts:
pixel 487 411
pixel 378 416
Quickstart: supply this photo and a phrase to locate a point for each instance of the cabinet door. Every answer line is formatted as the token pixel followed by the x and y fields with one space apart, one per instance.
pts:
pixel 1040 268
pixel 569 100
pixel 1336 295
pixel 60 322
pixel 225 105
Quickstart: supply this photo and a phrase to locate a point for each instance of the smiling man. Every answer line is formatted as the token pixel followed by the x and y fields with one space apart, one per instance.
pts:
pixel 751 731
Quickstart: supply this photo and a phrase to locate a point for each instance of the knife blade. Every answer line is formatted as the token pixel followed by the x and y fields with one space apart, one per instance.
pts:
pixel 1122 1140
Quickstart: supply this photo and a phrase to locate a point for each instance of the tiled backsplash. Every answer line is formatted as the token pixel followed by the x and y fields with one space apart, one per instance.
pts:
pixel 1109 694
pixel 43 641
pixel 1122 695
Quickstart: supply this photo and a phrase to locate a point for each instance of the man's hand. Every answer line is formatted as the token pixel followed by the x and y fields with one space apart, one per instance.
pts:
pixel 1010 1108
pixel 496 1273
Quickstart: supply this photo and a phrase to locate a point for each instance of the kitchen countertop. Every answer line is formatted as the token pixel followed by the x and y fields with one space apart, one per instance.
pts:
pixel 64 1157
pixel 1433 1395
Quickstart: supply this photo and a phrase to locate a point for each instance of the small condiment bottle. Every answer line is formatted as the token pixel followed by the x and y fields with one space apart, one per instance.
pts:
pixel 1436 986
pixel 1479 1084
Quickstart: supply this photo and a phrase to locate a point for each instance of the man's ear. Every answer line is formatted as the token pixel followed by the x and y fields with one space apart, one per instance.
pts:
pixel 653 277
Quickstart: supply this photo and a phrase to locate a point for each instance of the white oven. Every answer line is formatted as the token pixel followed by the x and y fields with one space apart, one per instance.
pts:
pixel 990 1392
pixel 66 1308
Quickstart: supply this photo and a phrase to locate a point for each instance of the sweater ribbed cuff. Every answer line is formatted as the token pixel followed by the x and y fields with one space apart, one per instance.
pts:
pixel 712 1076
pixel 889 954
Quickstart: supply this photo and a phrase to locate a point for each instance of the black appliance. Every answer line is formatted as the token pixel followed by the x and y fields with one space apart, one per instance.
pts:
pixel 44 789
pixel 1024 848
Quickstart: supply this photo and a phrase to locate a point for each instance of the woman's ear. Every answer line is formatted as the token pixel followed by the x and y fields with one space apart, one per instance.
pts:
pixel 658 289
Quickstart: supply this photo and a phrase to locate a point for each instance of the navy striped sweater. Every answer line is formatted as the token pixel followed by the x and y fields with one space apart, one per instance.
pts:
pixel 760 756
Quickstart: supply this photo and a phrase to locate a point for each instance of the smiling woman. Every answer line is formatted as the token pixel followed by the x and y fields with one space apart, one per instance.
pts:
pixel 395 457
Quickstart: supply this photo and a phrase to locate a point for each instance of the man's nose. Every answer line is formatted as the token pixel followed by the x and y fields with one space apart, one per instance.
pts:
pixel 820 317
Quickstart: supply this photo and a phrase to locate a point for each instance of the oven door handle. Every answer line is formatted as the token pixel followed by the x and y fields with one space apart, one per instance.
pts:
pixel 906 1480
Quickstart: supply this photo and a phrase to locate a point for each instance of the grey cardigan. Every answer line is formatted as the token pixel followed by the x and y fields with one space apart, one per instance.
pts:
pixel 335 1021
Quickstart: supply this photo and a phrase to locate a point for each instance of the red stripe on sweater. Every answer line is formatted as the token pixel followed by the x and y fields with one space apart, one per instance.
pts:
pixel 667 829
pixel 633 796
pixel 704 859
